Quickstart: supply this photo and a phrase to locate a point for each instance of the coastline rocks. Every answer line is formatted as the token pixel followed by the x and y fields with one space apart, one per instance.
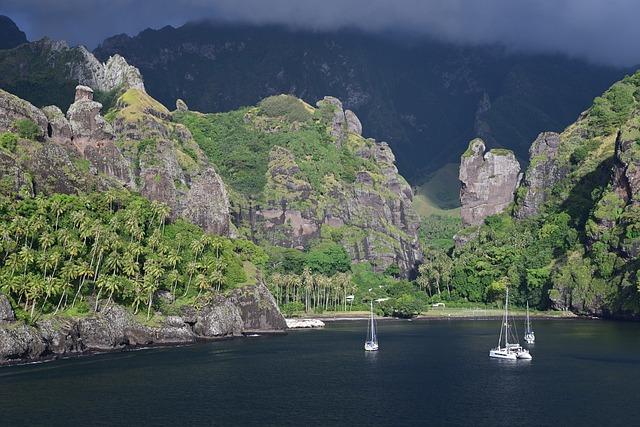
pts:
pixel 489 180
pixel 19 341
pixel 304 323
pixel 221 318
pixel 6 312
pixel 244 310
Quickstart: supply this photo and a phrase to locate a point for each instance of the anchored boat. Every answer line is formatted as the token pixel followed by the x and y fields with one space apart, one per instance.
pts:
pixel 510 351
pixel 371 344
pixel 529 335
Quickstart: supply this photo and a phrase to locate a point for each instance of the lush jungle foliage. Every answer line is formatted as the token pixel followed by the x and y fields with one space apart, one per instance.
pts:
pixel 62 251
pixel 580 251
pixel 239 143
pixel 323 279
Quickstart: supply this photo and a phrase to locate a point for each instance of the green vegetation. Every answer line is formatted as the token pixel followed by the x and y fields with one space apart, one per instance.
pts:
pixel 239 143
pixel 580 251
pixel 27 129
pixel 8 141
pixel 110 247
pixel 287 106
pixel 439 194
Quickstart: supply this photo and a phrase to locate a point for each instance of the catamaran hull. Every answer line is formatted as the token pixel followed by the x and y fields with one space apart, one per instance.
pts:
pixel 500 354
pixel 524 355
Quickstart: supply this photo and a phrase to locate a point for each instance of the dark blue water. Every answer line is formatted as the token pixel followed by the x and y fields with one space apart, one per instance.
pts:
pixel 426 373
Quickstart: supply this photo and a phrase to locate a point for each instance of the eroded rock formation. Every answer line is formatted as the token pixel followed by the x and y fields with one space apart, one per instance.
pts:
pixel 489 181
pixel 543 172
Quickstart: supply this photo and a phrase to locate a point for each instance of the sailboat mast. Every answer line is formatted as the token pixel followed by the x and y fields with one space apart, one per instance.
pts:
pixel 373 332
pixel 506 320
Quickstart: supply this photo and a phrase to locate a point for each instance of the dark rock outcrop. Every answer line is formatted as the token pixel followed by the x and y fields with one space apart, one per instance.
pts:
pixel 543 172
pixel 10 34
pixel 245 310
pixel 489 181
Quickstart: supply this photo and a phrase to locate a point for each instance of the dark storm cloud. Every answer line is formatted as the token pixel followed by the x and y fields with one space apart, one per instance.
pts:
pixel 600 30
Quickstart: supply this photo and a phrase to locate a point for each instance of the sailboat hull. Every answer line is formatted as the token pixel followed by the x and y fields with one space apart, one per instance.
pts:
pixel 371 346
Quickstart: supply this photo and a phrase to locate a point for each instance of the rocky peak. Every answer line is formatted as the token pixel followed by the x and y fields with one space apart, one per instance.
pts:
pixel 181 105
pixel 543 172
pixel 10 34
pixel 83 93
pixel 489 180
pixel 343 122
pixel 85 119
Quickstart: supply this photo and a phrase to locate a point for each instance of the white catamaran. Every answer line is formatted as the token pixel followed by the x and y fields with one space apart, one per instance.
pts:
pixel 529 335
pixel 371 344
pixel 510 351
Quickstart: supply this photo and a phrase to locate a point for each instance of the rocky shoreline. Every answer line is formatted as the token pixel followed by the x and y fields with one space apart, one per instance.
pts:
pixel 244 311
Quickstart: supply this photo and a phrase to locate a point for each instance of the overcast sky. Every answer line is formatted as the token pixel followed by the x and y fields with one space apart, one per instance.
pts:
pixel 606 31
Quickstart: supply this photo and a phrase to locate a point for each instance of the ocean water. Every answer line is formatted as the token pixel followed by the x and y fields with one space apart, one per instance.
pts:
pixel 428 372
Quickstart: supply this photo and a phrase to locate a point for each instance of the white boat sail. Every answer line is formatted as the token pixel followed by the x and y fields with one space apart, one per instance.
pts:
pixel 511 351
pixel 529 335
pixel 371 344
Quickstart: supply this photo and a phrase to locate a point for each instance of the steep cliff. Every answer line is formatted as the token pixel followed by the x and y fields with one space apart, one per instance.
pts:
pixel 298 174
pixel 138 147
pixel 45 72
pixel 489 180
pixel 426 98
pixel 573 240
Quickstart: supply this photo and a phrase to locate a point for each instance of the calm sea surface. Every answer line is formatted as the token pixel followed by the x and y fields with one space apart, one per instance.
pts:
pixel 426 373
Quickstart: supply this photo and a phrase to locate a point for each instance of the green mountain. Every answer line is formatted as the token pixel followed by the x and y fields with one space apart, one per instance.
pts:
pixel 570 240
pixel 426 98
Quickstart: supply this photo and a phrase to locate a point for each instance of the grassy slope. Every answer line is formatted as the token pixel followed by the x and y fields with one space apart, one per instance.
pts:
pixel 439 193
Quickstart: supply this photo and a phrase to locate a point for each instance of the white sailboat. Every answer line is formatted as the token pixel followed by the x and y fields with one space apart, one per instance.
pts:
pixel 529 335
pixel 511 351
pixel 371 344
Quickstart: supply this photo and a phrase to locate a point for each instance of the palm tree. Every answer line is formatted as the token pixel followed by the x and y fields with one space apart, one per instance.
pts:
pixel 192 267
pixel 217 277
pixel 217 245
pixel 202 283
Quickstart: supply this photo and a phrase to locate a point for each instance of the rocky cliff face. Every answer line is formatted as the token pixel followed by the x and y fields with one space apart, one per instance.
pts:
pixel 246 310
pixel 542 174
pixel 489 181
pixel 45 72
pixel 141 149
pixel 321 180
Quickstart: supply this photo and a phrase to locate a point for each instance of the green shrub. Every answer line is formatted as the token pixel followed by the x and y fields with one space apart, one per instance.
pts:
pixel 291 308
pixel 287 106
pixel 8 141
pixel 27 129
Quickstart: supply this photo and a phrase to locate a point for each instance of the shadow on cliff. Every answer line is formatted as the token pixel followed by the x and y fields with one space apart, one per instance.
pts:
pixel 582 198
